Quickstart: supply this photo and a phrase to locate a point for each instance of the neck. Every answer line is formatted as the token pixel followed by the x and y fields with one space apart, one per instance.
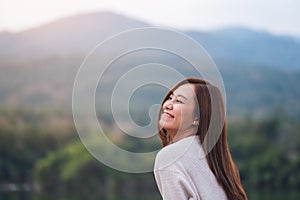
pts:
pixel 177 135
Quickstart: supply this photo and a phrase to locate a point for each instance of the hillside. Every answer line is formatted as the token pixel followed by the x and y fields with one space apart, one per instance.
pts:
pixel 80 33
pixel 253 47
pixel 71 35
pixel 261 71
pixel 48 82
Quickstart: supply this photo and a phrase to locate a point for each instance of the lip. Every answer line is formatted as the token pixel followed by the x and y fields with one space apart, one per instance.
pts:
pixel 168 114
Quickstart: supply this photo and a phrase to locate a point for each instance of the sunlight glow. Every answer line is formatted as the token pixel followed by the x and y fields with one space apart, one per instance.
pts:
pixel 277 16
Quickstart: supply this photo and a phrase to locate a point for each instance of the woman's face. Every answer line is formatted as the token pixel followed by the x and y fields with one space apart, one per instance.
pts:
pixel 178 109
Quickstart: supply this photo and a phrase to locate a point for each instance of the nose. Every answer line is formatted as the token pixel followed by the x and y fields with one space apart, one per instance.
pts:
pixel 168 105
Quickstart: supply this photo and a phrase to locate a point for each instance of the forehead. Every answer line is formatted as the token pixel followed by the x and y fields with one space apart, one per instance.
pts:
pixel 186 90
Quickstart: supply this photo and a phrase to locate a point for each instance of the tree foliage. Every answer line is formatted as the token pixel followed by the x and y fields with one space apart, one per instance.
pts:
pixel 41 147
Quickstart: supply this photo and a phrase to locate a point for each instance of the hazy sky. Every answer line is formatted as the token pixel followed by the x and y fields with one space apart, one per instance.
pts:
pixel 276 16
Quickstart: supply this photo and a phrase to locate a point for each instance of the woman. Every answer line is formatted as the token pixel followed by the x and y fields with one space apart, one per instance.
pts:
pixel 195 162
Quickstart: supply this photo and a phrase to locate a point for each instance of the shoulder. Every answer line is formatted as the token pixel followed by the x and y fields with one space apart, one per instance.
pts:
pixel 176 153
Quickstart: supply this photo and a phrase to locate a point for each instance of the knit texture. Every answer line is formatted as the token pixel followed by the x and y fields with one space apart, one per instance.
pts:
pixel 182 172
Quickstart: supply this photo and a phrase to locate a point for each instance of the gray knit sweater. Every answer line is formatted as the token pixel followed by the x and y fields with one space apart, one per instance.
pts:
pixel 182 172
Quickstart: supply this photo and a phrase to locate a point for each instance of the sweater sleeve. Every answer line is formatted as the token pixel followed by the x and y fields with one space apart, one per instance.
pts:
pixel 173 186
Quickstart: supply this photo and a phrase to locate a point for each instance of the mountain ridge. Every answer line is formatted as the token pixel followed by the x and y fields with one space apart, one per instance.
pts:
pixel 42 65
pixel 80 33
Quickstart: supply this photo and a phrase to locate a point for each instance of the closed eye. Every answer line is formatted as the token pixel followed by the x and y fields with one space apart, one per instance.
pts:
pixel 179 101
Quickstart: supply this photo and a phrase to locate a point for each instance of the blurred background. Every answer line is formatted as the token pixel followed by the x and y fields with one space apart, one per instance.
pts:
pixel 256 46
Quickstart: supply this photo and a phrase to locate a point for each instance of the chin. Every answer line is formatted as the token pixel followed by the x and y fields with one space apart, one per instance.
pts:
pixel 169 127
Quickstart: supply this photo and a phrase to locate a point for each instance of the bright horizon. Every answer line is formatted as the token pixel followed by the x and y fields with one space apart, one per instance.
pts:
pixel 279 17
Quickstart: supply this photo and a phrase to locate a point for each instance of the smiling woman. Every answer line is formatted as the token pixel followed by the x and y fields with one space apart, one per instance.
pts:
pixel 186 168
pixel 178 113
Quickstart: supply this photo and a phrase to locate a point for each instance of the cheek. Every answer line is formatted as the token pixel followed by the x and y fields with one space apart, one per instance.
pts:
pixel 186 114
pixel 179 114
pixel 182 111
pixel 177 111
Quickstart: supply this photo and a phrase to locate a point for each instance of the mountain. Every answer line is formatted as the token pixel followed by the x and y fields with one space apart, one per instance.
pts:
pixel 71 35
pixel 38 66
pixel 249 46
pixel 80 33
pixel 47 82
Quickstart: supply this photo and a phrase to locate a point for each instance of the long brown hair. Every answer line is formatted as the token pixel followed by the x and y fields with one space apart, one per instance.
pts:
pixel 218 156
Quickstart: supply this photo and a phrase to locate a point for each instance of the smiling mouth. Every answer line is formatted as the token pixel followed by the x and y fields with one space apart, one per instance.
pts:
pixel 168 114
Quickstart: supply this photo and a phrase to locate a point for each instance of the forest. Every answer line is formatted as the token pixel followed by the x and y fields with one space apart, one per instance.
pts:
pixel 40 151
